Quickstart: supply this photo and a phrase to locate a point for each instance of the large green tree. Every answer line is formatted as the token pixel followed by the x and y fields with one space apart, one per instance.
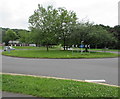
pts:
pixel 48 25
pixel 43 25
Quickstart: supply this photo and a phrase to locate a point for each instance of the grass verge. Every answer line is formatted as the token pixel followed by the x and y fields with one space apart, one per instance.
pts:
pixel 49 87
pixel 0 47
pixel 57 54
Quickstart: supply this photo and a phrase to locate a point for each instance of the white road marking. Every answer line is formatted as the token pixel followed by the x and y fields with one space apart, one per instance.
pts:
pixel 97 81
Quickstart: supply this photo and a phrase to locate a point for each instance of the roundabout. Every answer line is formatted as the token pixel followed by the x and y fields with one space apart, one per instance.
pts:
pixel 80 69
pixel 83 69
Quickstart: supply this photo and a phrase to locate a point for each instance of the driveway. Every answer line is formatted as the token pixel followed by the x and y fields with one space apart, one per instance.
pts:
pixel 82 69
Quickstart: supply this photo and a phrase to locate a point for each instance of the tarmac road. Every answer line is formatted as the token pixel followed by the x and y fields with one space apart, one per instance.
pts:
pixel 82 69
pixel 11 95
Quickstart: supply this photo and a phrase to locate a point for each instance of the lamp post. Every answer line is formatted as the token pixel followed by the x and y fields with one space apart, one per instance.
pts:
pixel 63 27
pixel 81 46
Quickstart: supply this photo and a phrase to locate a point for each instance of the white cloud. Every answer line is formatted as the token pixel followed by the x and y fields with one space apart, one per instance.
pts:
pixel 15 13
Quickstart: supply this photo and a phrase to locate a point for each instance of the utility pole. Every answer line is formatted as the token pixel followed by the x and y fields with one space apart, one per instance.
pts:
pixel 119 13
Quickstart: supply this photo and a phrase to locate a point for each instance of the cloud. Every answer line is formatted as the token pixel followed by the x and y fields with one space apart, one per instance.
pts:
pixel 15 13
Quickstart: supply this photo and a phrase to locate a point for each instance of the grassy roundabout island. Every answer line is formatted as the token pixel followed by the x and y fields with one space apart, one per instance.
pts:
pixel 32 52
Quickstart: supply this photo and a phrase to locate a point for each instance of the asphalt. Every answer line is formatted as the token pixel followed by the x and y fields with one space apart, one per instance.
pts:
pixel 11 95
pixel 82 69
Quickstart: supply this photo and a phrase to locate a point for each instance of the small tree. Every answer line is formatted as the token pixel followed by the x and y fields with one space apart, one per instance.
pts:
pixel 10 35
pixel 25 37
pixel 67 20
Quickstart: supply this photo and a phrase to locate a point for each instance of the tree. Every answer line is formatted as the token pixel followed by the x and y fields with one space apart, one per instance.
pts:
pixel 25 37
pixel 100 36
pixel 43 25
pixel 67 21
pixel 81 33
pixel 116 32
pixel 9 35
pixel 94 35
pixel 51 24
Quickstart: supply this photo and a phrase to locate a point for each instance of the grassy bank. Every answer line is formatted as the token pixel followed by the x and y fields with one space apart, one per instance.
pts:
pixel 57 54
pixel 0 47
pixel 49 87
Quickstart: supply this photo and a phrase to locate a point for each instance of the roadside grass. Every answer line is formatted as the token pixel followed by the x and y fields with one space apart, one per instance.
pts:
pixel 57 54
pixel 0 47
pixel 49 87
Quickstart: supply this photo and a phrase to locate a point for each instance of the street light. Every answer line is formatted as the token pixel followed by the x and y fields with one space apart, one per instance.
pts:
pixel 63 27
pixel 81 46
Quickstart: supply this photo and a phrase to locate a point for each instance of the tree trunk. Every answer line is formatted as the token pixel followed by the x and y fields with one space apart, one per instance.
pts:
pixel 96 46
pixel 47 47
pixel 86 49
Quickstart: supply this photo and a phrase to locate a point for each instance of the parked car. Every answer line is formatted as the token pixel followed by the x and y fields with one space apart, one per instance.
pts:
pixel 6 48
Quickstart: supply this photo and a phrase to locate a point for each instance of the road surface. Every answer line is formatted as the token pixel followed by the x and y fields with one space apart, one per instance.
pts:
pixel 11 95
pixel 82 69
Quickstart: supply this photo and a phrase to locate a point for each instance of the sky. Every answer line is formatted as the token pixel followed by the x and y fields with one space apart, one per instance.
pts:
pixel 14 14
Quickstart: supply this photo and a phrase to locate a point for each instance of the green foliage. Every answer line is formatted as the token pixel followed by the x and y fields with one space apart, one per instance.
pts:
pixel 42 25
pixel 49 24
pixel 115 32
pixel 25 37
pixel 52 88
pixel 9 35
pixel 95 35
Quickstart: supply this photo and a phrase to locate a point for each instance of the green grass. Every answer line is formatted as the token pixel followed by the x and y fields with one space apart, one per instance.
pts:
pixel 98 49
pixel 0 47
pixel 104 49
pixel 57 54
pixel 31 47
pixel 25 47
pixel 49 87
pixel 58 47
